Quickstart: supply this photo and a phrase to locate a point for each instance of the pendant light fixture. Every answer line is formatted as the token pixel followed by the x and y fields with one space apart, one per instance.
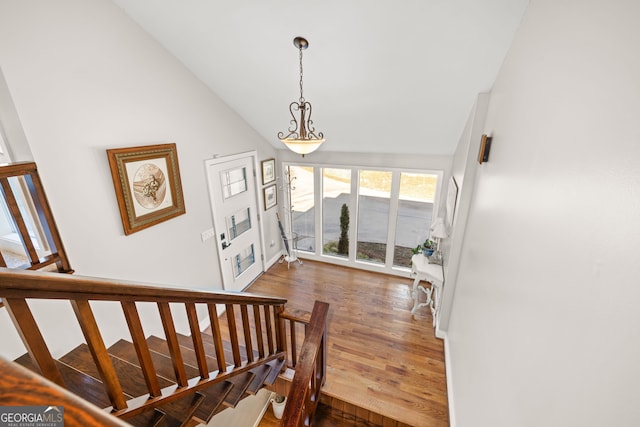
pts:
pixel 301 137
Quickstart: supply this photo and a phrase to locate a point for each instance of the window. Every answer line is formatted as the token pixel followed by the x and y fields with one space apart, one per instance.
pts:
pixel 336 188
pixel 366 217
pixel 302 207
pixel 415 212
pixel 374 200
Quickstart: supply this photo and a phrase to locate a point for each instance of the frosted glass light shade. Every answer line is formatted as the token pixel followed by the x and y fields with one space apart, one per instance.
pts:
pixel 302 146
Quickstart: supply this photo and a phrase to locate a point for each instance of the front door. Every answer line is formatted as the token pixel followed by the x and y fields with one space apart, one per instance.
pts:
pixel 234 203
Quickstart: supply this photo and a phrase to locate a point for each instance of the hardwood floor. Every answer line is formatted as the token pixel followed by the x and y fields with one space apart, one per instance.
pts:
pixel 379 358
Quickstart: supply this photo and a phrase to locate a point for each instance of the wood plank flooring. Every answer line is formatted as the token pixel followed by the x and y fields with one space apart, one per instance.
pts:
pixel 379 358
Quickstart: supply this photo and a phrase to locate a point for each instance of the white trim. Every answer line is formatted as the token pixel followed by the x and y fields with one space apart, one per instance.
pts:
pixel 265 408
pixel 449 375
pixel 273 260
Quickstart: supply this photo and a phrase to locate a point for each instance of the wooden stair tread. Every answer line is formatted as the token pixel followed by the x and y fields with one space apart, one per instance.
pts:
pixel 162 364
pixel 260 374
pixel 276 368
pixel 130 376
pixel 79 383
pixel 180 411
pixel 209 347
pixel 155 418
pixel 240 384
pixel 207 339
pixel 214 396
pixel 159 345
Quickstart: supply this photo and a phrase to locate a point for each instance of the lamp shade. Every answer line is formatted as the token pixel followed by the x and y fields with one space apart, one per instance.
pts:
pixel 302 146
pixel 438 229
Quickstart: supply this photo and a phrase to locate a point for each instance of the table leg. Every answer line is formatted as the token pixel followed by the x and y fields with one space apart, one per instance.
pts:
pixel 416 296
pixel 414 290
pixel 434 304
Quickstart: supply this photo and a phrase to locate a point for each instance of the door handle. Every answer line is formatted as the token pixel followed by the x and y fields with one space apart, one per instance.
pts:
pixel 225 245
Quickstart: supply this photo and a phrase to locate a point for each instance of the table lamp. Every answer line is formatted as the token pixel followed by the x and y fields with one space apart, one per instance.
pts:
pixel 438 232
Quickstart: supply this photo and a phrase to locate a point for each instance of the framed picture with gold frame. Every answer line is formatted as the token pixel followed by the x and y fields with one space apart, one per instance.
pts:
pixel 147 183
pixel 268 171
pixel 270 197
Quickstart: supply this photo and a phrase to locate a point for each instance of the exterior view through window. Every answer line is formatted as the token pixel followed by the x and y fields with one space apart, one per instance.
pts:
pixel 303 207
pixel 371 218
pixel 336 191
pixel 374 200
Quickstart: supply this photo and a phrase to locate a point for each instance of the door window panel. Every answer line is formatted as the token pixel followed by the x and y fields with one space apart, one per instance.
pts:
pixel 234 182
pixel 336 190
pixel 415 210
pixel 374 195
pixel 243 260
pixel 238 223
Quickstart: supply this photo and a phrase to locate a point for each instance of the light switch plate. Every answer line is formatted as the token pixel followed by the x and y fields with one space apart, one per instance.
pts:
pixel 207 234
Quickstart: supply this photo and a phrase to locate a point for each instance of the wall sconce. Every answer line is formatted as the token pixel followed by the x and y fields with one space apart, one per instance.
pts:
pixel 485 147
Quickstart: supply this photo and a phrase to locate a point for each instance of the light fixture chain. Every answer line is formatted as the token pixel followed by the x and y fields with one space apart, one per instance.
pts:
pixel 301 96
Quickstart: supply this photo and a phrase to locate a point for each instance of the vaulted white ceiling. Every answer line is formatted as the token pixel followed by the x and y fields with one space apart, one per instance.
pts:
pixel 383 76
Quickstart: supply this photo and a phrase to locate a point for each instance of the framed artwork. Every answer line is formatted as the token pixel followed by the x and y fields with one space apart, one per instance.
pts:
pixel 452 195
pixel 270 197
pixel 147 185
pixel 268 171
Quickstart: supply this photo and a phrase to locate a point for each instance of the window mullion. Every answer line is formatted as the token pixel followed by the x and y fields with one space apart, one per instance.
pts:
pixel 353 215
pixel 393 218
pixel 317 197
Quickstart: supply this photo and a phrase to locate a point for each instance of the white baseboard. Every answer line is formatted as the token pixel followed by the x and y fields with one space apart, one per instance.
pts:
pixel 447 364
pixel 264 409
pixel 272 261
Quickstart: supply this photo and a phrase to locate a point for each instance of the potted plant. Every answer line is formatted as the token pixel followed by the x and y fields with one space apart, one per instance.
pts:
pixel 278 402
pixel 426 248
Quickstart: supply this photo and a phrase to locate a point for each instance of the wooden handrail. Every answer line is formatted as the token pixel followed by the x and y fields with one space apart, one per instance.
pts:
pixel 310 374
pixel 44 285
pixel 21 387
pixel 16 286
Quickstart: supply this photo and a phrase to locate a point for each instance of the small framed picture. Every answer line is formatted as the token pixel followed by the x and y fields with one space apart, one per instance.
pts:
pixel 268 171
pixel 270 197
pixel 147 185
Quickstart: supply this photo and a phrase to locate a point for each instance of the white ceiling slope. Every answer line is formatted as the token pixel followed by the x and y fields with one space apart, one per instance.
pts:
pixel 383 76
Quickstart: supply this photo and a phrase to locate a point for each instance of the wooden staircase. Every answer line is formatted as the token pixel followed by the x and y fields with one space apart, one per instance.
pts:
pixel 81 376
pixel 177 380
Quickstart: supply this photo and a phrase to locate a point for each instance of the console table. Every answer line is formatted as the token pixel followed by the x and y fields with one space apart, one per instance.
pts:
pixel 431 273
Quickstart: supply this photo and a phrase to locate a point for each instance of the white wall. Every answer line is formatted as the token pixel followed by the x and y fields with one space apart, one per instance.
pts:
pixel 83 78
pixel 544 328
pixel 463 172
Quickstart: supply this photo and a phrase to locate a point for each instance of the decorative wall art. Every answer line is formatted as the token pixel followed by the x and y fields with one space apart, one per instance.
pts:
pixel 452 195
pixel 268 171
pixel 270 197
pixel 147 184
